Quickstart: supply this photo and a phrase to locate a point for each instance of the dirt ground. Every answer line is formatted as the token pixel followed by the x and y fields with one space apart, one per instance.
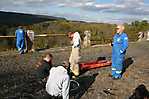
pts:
pixel 17 80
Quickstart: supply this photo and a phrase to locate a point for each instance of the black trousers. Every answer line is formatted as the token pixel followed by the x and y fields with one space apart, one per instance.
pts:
pixel 53 97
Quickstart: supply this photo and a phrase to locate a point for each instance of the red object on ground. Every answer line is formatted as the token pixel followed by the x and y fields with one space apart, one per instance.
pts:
pixel 94 64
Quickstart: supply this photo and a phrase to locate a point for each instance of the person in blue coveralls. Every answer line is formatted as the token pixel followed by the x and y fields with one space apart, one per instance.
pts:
pixel 20 39
pixel 119 46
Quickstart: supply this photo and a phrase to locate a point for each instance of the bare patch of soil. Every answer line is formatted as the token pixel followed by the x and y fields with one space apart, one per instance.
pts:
pixel 18 80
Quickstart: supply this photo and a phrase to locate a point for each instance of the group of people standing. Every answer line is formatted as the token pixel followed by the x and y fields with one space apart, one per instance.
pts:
pixel 24 40
pixel 119 47
pixel 58 78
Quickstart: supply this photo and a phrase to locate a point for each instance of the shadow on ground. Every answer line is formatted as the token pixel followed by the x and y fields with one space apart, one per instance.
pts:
pixel 140 92
pixel 41 49
pixel 85 82
pixel 127 63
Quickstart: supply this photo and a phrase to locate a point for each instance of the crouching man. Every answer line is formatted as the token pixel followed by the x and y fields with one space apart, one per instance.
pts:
pixel 58 82
pixel 44 66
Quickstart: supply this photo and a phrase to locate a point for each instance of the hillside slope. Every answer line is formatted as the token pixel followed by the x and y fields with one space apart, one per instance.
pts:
pixel 11 18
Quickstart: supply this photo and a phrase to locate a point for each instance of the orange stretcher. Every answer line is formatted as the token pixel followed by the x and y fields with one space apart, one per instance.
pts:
pixel 94 64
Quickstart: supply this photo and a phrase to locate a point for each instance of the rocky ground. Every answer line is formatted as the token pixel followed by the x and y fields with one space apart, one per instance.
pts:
pixel 17 79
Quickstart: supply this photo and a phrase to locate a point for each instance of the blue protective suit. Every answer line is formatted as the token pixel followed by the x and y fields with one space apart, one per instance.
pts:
pixel 120 44
pixel 20 40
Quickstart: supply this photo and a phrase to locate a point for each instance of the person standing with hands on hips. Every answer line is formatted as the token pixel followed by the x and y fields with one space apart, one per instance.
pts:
pixel 119 46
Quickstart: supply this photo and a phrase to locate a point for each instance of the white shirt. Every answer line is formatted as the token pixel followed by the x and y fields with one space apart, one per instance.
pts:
pixel 58 82
pixel 76 40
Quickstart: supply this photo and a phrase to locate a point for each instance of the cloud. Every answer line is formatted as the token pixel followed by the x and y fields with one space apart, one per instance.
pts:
pixel 131 7
pixel 88 10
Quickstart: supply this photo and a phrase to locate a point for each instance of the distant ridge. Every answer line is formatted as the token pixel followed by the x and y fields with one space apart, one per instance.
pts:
pixel 13 18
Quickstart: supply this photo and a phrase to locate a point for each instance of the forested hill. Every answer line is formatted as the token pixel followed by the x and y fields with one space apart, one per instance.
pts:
pixel 11 18
pixel 100 32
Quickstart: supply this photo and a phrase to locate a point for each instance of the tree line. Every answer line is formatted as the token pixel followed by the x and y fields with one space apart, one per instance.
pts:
pixel 100 32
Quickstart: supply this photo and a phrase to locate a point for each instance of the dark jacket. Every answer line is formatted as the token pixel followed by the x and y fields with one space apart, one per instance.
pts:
pixel 43 69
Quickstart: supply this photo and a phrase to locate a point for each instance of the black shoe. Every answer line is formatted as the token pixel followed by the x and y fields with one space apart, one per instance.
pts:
pixel 115 78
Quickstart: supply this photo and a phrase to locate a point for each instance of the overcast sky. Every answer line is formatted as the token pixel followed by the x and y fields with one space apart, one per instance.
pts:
pixel 111 11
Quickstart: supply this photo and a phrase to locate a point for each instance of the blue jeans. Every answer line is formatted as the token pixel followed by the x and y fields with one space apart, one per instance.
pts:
pixel 20 43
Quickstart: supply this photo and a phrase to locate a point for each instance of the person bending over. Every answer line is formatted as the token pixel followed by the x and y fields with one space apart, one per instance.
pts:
pixel 58 82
